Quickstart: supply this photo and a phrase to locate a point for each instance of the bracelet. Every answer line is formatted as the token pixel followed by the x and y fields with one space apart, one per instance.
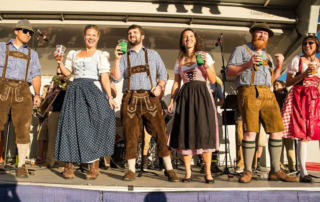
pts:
pixel 37 93
pixel 206 66
pixel 160 87
pixel 110 97
pixel 278 66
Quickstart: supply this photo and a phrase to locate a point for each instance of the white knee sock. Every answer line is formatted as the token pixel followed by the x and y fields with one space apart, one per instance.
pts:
pixel 167 162
pixel 302 157
pixel 22 151
pixel 132 165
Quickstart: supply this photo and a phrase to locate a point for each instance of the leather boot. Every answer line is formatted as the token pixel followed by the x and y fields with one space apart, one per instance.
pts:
pixel 93 171
pixel 68 171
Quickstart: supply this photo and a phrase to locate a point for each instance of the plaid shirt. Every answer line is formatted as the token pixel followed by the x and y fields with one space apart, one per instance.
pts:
pixel 141 81
pixel 16 68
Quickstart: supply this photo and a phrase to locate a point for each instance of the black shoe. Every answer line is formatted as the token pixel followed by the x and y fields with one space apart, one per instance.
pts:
pixel 306 179
pixel 187 179
pixel 211 181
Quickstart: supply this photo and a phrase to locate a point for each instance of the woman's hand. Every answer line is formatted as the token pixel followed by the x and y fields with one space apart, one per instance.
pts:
pixel 204 58
pixel 59 58
pixel 113 104
pixel 170 108
pixel 309 71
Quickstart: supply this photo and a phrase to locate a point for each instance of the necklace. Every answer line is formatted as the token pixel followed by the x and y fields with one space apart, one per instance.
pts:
pixel 311 60
pixel 189 57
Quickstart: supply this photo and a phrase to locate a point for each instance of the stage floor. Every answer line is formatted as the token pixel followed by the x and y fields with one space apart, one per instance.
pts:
pixel 110 180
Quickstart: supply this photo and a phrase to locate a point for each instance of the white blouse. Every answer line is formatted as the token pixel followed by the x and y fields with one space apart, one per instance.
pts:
pixel 293 67
pixel 185 68
pixel 102 62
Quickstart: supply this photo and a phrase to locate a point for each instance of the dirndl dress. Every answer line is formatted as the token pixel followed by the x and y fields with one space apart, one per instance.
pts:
pixel 301 109
pixel 86 129
pixel 195 124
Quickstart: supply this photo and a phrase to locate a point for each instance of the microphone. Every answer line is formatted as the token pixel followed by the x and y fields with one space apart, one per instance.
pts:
pixel 219 39
pixel 42 35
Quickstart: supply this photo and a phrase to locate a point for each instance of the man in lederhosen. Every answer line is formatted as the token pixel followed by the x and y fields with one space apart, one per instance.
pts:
pixel 253 67
pixel 20 68
pixel 139 68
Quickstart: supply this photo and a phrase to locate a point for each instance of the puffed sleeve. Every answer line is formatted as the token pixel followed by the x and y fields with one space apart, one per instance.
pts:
pixel 103 63
pixel 69 61
pixel 176 67
pixel 293 66
pixel 210 61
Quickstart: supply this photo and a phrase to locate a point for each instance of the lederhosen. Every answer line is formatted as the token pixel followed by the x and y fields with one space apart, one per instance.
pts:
pixel 259 100
pixel 15 95
pixel 138 105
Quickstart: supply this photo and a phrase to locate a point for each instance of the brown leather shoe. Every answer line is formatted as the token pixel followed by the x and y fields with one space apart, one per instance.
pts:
pixel 93 171
pixel 129 176
pixel 172 177
pixel 245 177
pixel 280 175
pixel 68 171
pixel 22 172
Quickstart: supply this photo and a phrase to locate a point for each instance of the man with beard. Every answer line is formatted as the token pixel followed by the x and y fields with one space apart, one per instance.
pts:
pixel 253 67
pixel 139 67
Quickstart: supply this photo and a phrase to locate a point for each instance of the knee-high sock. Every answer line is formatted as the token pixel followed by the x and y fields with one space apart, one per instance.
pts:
pixel 167 162
pixel 275 147
pixel 22 150
pixel 302 157
pixel 248 149
pixel 132 165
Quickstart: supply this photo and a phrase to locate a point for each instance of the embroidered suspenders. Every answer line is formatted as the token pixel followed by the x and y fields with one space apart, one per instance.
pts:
pixel 138 69
pixel 16 54
pixel 255 68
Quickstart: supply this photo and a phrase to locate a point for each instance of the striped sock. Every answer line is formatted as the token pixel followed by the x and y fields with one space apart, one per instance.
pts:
pixel 248 149
pixel 275 147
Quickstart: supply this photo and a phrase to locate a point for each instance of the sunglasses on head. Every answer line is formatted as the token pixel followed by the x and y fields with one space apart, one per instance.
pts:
pixel 88 26
pixel 308 42
pixel 25 31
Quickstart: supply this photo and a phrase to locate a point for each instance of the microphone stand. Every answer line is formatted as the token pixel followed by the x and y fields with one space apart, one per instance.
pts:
pixel 224 79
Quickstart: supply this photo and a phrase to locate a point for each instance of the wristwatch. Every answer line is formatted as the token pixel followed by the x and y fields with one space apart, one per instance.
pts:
pixel 160 87
pixel 37 93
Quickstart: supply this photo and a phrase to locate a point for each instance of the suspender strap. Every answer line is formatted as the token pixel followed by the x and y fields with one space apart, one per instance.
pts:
pixel 148 68
pixel 28 64
pixel 271 69
pixel 5 63
pixel 129 72
pixel 254 69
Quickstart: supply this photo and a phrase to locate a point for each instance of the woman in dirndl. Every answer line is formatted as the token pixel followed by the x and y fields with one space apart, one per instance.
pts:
pixel 195 125
pixel 301 109
pixel 86 128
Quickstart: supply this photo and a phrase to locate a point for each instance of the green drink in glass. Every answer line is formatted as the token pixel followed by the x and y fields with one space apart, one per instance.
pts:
pixel 199 59
pixel 260 55
pixel 124 44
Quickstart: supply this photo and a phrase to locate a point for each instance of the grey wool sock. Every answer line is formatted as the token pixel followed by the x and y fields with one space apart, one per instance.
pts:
pixel 248 149
pixel 275 147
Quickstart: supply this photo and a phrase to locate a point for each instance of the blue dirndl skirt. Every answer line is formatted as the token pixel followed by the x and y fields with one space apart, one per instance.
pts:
pixel 87 127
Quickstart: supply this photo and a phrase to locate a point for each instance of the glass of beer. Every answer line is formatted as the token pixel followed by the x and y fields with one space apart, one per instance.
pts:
pixel 59 50
pixel 123 43
pixel 199 59
pixel 260 55
pixel 313 64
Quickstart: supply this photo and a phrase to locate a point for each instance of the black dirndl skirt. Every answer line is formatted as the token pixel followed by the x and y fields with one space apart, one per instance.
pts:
pixel 194 124
pixel 87 127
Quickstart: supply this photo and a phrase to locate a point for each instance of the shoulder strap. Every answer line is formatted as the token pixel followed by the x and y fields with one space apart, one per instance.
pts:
pixel 271 69
pixel 129 71
pixel 254 69
pixel 147 67
pixel 300 65
pixel 5 63
pixel 28 64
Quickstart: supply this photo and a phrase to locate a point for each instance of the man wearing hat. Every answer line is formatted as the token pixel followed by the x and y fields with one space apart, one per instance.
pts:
pixel 20 68
pixel 255 73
